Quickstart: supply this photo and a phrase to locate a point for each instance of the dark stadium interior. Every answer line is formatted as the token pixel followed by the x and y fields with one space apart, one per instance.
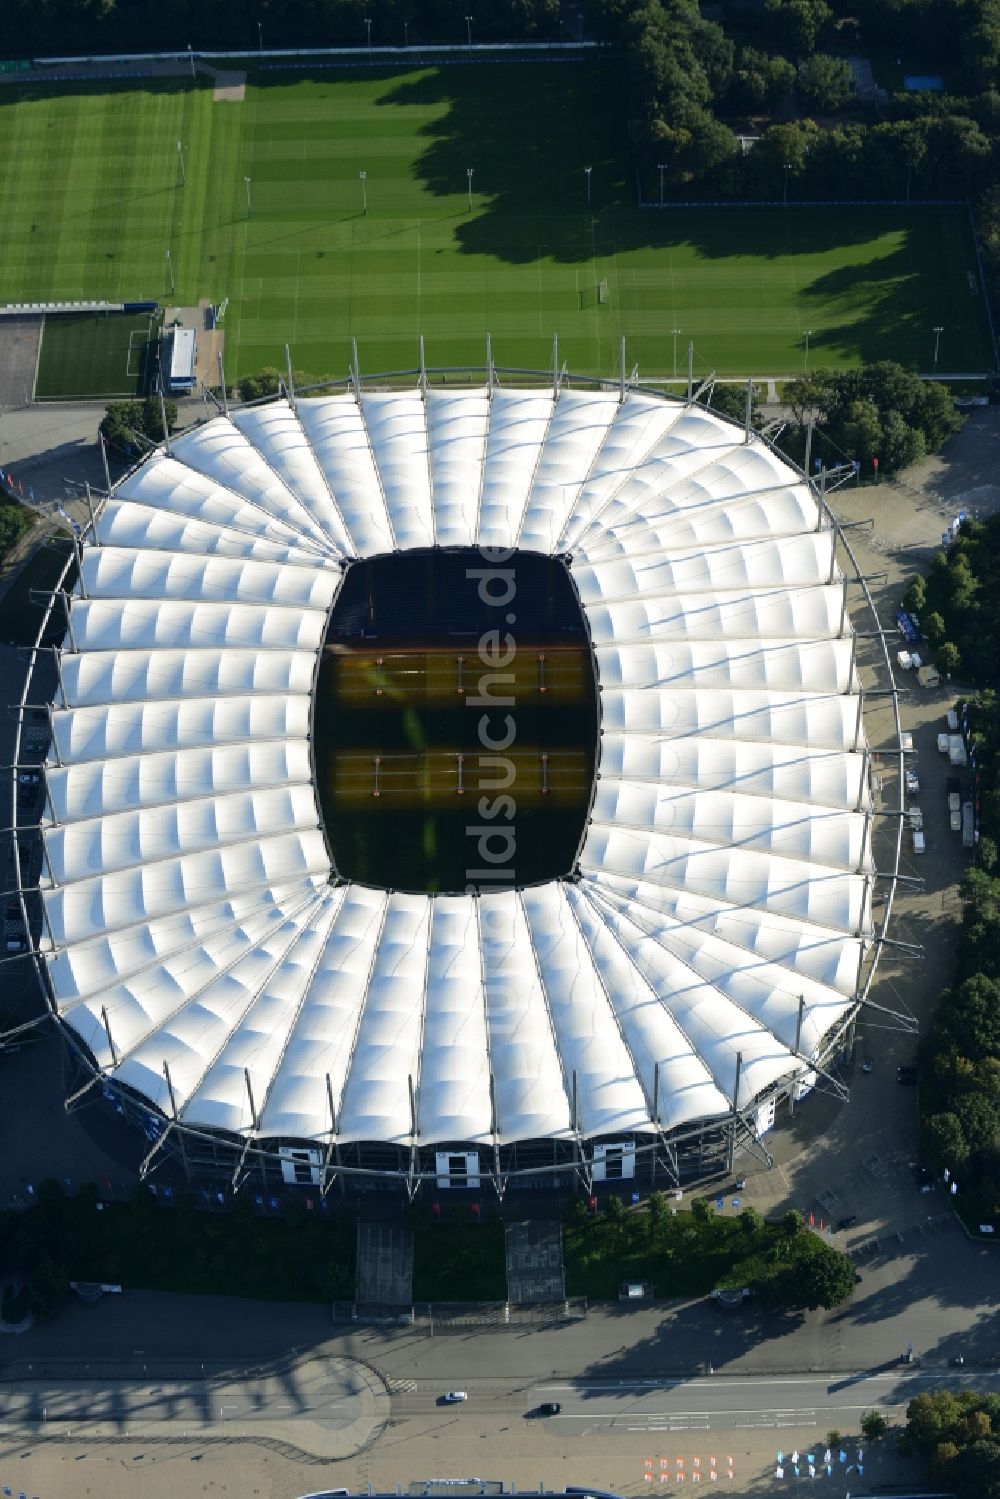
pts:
pixel 456 699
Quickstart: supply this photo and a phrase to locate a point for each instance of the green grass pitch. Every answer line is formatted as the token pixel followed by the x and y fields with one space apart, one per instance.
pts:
pixel 111 353
pixel 92 198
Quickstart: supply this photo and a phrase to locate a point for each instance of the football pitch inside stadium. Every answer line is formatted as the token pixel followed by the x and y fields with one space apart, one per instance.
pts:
pixel 380 204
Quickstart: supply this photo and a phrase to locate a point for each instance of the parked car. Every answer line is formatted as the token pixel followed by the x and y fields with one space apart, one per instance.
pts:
pixel 867 1066
pixel 912 783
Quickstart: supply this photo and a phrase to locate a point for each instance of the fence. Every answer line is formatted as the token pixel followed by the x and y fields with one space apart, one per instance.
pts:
pixel 443 52
pixel 455 1316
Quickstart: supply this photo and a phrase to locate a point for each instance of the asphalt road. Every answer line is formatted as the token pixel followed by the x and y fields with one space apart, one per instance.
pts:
pixel 727 1404
pixel 327 1407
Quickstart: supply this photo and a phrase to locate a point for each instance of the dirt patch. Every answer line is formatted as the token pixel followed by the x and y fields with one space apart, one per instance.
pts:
pixel 230 88
pixel 20 341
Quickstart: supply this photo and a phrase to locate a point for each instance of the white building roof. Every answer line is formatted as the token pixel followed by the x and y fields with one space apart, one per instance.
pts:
pixel 725 874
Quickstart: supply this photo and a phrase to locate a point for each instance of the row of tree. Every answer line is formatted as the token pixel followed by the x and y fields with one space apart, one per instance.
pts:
pixel 42 27
pixel 959 608
pixel 880 410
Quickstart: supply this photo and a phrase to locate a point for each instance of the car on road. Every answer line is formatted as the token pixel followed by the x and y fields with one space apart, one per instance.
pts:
pixel 867 1066
pixel 549 1408
pixel 848 1222
pixel 455 1397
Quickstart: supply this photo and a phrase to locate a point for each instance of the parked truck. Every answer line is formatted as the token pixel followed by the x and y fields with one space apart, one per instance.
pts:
pixel 968 825
pixel 954 788
pixel 956 750
pixel 927 676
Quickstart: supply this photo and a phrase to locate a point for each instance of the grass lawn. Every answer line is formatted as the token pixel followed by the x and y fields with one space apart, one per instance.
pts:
pixel 110 354
pixel 458 1259
pixel 20 614
pixel 92 197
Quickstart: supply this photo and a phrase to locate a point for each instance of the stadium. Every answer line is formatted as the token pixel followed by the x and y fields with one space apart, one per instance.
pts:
pixel 673 701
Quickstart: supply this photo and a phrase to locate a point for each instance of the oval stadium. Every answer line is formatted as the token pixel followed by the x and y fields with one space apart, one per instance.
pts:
pixel 458 783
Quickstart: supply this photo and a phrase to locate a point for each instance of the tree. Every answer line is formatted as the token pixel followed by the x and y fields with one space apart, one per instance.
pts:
pixel 944 1141
pixel 915 597
pixel 948 658
pixel 701 1210
pixel 975 1471
pixel 934 626
pixel 47 1288
pixel 873 1425
pixel 760 81
pixel 792 1224
pixel 931 1419
pixel 265 382
pixel 937 415
pixel 751 1223
pixel 826 83
pixel 657 1211
pixel 797 24
pixel 731 401
pixel 861 432
pixel 128 426
pixel 817 1276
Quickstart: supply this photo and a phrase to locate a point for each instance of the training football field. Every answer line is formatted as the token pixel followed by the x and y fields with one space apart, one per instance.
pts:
pixel 262 202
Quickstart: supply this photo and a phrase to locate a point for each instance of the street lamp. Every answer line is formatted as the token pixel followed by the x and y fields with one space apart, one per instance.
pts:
pixel 468 174
pixel 363 179
pixel 805 362
pixel 588 171
pixel 909 170
pixel 675 332
pixel 406 33
pixel 246 184
pixel 788 168
pixel 191 59
pixel 170 273
pixel 368 23
pixel 468 30
pixel 661 168
pixel 937 344
pixel 180 158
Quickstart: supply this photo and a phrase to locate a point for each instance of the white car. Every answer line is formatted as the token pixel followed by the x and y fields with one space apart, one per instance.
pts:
pixel 455 1397
pixel 912 783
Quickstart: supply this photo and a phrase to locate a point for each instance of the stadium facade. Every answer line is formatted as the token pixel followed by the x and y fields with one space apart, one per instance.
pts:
pixel 641 1016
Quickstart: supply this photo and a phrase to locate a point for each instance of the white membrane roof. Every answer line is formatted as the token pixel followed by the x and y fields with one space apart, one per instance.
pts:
pixel 724 876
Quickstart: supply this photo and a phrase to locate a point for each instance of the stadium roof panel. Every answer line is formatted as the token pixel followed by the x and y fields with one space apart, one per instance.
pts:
pixel 723 895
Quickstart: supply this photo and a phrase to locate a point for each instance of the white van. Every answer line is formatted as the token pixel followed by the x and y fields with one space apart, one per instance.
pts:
pixel 919 846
